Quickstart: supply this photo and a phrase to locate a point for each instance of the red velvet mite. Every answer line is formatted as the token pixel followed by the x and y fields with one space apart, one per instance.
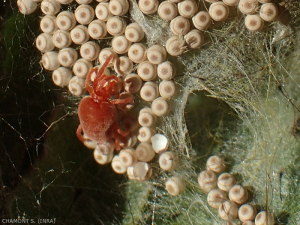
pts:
pixel 98 115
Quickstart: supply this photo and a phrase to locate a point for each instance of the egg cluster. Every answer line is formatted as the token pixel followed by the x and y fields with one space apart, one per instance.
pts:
pixel 220 184
pixel 70 47
pixel 136 161
pixel 70 44
pixel 184 16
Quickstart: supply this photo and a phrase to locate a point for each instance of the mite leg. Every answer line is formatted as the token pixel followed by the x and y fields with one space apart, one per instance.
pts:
pixel 87 81
pixel 100 72
pixel 119 135
pixel 128 100
pixel 99 75
pixel 106 82
pixel 79 134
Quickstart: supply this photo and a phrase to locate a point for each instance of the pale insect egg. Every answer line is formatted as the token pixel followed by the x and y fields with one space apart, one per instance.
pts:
pixel 128 157
pixel 167 89
pixel 118 7
pixel 175 185
pixel 77 86
pixel 50 60
pixel 115 25
pixel 229 223
pixel 84 14
pixel 48 24
pixel 82 67
pixel 106 147
pixel 37 0
pixel 231 2
pixel 168 161
pixel 175 45
pixel 120 44
pixel 247 212
pixel 149 91
pixel 61 39
pixel 248 222
pixel 264 1
pixel 65 20
pixel 202 20
pixel 269 12
pixel 156 54
pixel 175 1
pixel 89 51
pixel 50 7
pixel 254 22
pixel 130 173
pixel 131 141
pixel 147 71
pixel 67 57
pixel 89 143
pixel 132 83
pixel 146 117
pixel 81 2
pixel 117 166
pixel 102 157
pixel 102 0
pixel 142 171
pixel 167 10
pixel 218 11
pixel 228 210
pixel 79 34
pixel 160 143
pixel 264 218
pixel 61 76
pixel 26 7
pixel 226 181
pixel 44 42
pixel 194 39
pixel 123 65
pixel 65 2
pixel 97 29
pixel 248 6
pixel 212 1
pixel 145 134
pixel 215 163
pixel 160 106
pixel 207 180
pixel 148 6
pixel 166 70
pixel 216 197
pixel 144 152
pixel 238 194
pixel 187 8
pixel 180 25
pixel 102 12
pixel 104 54
pixel 137 53
pixel 134 32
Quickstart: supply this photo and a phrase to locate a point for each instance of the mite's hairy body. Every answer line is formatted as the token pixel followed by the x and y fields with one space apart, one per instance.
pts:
pixel 98 114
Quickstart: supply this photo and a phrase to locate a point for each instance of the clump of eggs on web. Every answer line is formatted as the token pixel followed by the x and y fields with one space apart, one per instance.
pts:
pixel 153 79
pixel 228 197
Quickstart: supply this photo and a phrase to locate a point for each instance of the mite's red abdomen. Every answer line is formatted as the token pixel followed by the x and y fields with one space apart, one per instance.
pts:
pixel 96 118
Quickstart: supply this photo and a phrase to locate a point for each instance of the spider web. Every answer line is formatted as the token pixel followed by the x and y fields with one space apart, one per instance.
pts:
pixel 45 172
